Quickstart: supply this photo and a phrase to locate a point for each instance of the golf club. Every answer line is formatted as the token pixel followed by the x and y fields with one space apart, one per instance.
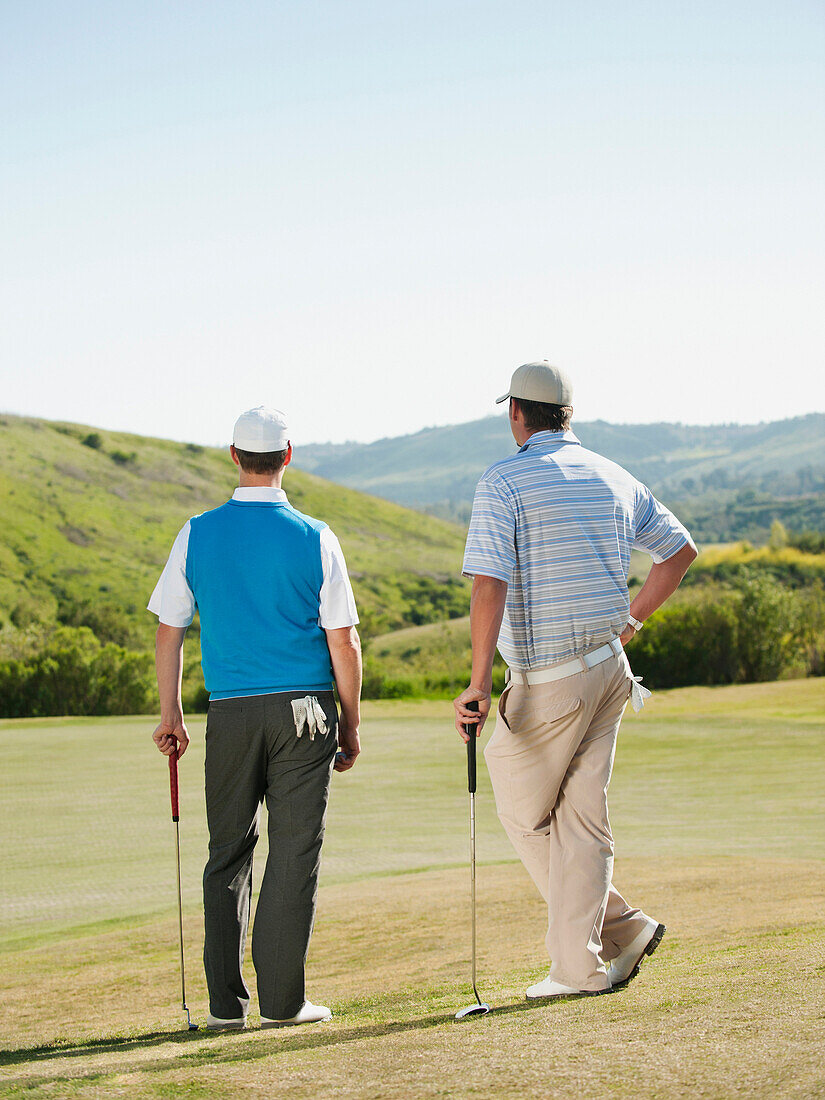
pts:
pixel 480 1008
pixel 173 790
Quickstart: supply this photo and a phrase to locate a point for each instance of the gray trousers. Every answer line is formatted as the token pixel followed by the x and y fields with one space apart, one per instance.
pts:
pixel 253 754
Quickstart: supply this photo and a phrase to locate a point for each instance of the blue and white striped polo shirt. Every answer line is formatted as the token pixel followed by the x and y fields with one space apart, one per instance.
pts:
pixel 557 523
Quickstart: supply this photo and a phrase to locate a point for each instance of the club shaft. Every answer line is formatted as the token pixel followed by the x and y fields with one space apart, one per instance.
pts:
pixel 180 920
pixel 473 885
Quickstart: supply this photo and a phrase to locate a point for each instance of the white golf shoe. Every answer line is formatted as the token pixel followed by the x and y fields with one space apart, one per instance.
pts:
pixel 550 990
pixel 216 1023
pixel 625 967
pixel 308 1013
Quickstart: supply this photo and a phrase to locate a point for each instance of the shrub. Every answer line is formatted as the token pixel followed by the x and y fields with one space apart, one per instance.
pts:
pixel 30 609
pixel 812 629
pixel 93 440
pixel 790 565
pixel 779 535
pixel 408 599
pixel 754 630
pixel 196 699
pixel 68 671
pixel 810 542
pixel 767 634
pixel 687 644
pixel 444 684
pixel 123 458
pixel 107 621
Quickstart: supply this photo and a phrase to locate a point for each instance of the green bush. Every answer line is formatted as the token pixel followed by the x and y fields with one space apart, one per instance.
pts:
pixel 107 621
pixel 810 542
pixel 124 458
pixel 753 630
pixel 446 684
pixel 811 629
pixel 408 599
pixel 687 644
pixel 195 699
pixel 767 634
pixel 786 564
pixel 69 671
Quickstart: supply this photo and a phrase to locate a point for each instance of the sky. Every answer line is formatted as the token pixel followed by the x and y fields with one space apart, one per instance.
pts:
pixel 368 214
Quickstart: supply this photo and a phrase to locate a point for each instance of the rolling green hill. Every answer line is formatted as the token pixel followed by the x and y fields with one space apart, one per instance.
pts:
pixel 727 481
pixel 88 517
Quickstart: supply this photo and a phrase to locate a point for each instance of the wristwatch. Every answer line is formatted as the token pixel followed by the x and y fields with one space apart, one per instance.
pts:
pixel 635 623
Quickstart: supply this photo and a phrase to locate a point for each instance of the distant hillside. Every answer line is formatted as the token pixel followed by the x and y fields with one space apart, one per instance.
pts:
pixel 729 481
pixel 88 517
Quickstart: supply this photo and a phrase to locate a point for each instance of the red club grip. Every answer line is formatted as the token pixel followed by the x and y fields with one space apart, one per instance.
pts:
pixel 173 784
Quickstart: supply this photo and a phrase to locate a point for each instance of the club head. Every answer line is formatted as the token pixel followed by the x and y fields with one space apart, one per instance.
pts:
pixel 193 1027
pixel 473 1010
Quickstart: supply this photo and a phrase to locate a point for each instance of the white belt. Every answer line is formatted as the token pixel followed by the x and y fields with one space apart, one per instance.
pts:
pixel 568 668
pixel 582 663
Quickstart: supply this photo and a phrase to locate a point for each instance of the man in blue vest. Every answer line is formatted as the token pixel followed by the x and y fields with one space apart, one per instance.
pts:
pixel 277 619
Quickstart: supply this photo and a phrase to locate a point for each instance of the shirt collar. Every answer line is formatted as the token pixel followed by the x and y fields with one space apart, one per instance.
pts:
pixel 260 494
pixel 549 439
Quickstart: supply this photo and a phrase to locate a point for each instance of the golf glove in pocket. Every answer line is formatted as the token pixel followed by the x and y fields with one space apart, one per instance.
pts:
pixel 308 713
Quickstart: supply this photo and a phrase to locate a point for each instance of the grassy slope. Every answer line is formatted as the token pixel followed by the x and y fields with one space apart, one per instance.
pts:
pixel 424 650
pixel 716 804
pixel 76 522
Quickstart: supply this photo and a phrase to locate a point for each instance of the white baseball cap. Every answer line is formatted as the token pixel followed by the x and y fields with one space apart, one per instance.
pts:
pixel 540 382
pixel 261 430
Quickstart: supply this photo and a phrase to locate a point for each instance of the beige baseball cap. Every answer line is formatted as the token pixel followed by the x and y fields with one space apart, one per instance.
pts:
pixel 261 430
pixel 540 382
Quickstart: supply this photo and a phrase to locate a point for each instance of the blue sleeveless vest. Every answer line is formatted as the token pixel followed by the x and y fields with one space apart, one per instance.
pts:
pixel 255 570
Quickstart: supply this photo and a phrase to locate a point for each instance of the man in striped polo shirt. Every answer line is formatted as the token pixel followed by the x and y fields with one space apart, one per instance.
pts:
pixel 277 619
pixel 548 550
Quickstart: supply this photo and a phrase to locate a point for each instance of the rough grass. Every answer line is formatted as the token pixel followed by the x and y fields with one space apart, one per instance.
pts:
pixel 717 807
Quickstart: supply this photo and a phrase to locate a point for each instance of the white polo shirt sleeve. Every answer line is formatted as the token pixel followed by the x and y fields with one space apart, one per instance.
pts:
pixel 173 600
pixel 337 601
pixel 490 550
pixel 656 530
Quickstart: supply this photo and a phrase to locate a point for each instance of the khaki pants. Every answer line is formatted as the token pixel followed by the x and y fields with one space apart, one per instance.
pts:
pixel 550 759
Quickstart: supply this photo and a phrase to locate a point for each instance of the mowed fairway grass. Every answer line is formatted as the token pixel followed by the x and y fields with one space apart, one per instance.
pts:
pixel 718 808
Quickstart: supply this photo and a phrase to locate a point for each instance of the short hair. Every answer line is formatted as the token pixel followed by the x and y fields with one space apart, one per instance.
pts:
pixel 261 462
pixel 540 416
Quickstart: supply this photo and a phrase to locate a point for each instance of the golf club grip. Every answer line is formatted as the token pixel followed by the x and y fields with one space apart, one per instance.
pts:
pixel 471 750
pixel 173 784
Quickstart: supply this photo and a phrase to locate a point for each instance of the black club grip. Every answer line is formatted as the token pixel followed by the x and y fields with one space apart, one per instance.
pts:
pixel 471 749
